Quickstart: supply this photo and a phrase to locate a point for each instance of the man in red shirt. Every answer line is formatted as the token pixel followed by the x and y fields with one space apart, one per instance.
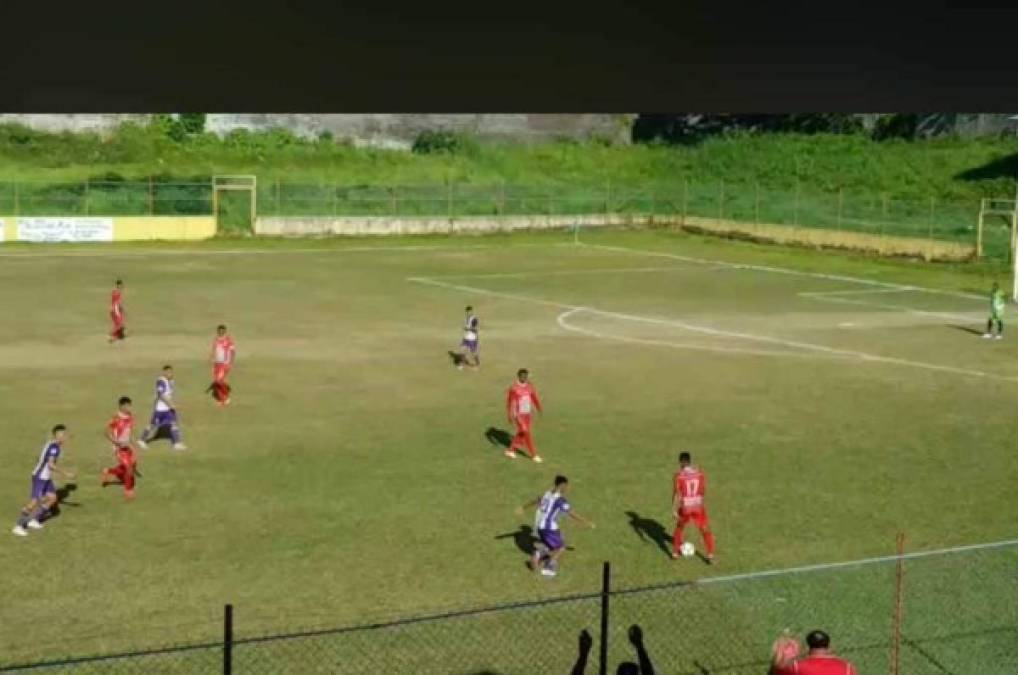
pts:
pixel 689 488
pixel 224 351
pixel 819 661
pixel 117 312
pixel 120 432
pixel 520 400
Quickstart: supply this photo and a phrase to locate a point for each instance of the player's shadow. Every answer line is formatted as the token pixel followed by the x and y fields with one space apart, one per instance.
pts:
pixel 497 436
pixel 457 359
pixel 650 530
pixel 62 494
pixel 968 329
pixel 524 538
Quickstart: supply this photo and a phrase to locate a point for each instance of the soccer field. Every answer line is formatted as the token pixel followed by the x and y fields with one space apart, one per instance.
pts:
pixel 832 400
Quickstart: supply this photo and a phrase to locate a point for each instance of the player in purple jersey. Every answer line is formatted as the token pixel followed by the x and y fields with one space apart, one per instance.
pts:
pixel 469 345
pixel 44 492
pixel 163 413
pixel 551 506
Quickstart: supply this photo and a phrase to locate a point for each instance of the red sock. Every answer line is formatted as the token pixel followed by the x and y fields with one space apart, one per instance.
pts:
pixel 518 440
pixel 677 539
pixel 128 478
pixel 708 540
pixel 529 440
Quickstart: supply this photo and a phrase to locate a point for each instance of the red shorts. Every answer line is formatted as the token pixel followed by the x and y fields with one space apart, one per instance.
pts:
pixel 220 371
pixel 126 456
pixel 698 518
pixel 523 423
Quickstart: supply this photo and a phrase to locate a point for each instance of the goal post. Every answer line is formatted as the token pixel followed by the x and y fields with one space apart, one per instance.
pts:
pixel 993 210
pixel 235 185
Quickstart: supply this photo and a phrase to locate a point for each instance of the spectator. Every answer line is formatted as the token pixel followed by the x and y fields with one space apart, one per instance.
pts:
pixel 819 660
pixel 644 667
pixel 586 642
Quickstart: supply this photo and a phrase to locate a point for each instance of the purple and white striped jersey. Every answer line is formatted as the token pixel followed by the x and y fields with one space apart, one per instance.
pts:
pixel 470 328
pixel 164 394
pixel 50 451
pixel 552 507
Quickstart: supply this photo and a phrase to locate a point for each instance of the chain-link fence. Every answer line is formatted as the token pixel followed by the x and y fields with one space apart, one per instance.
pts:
pixel 875 214
pixel 105 198
pixel 958 614
pixel 872 214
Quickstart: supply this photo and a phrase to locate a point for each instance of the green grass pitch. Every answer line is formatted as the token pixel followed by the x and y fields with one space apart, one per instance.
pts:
pixel 352 480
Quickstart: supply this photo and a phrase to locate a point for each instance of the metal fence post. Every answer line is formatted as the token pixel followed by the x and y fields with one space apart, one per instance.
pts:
pixel 86 196
pixel 151 198
pixel 756 204
pixel 448 198
pixel 930 229
pixel 721 201
pixel 841 204
pixel 898 602
pixel 605 594
pixel 685 198
pixel 228 640
pixel 17 204
pixel 795 217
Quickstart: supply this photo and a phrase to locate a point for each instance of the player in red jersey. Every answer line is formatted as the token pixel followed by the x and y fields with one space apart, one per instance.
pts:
pixel 117 312
pixel 120 432
pixel 687 505
pixel 520 400
pixel 224 352
pixel 819 661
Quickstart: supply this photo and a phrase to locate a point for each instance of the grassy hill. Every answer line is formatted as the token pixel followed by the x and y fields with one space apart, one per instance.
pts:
pixel 948 169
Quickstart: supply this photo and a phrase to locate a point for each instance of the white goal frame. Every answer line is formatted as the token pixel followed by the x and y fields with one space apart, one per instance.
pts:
pixel 1008 209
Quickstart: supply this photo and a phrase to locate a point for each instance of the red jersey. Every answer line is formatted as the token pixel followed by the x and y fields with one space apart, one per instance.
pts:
pixel 115 301
pixel 120 428
pixel 521 399
pixel 690 485
pixel 819 664
pixel 223 349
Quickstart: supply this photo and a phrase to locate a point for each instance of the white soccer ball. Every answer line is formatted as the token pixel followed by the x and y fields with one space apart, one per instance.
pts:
pixel 687 550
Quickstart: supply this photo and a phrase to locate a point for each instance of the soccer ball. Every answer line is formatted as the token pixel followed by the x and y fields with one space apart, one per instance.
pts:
pixel 687 550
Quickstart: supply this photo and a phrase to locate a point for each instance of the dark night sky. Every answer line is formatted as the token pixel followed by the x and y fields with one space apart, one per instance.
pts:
pixel 505 57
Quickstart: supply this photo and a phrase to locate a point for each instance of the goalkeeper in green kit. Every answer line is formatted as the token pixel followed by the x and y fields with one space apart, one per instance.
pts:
pixel 997 304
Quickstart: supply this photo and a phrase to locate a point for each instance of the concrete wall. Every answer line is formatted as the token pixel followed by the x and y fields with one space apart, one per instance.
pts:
pixel 929 249
pixel 118 228
pixel 381 130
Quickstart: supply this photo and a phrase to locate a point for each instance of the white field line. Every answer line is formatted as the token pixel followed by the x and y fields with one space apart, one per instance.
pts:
pixel 142 253
pixel 868 291
pixel 782 270
pixel 550 273
pixel 863 356
pixel 562 321
pixel 971 316
pixel 863 561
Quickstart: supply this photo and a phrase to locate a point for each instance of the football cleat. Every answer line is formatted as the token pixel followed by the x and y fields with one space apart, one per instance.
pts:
pixel 34 524
pixel 20 531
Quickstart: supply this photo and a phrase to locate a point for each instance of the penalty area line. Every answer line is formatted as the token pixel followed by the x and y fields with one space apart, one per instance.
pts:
pixel 808 346
pixel 782 270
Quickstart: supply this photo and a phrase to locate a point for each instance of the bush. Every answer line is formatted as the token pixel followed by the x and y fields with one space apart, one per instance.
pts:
pixel 434 142
pixel 899 125
pixel 192 123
